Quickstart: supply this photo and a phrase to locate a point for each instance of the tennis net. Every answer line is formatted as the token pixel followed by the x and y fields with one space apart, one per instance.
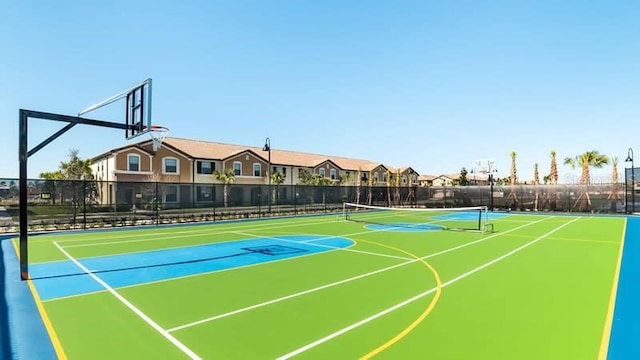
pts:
pixel 417 219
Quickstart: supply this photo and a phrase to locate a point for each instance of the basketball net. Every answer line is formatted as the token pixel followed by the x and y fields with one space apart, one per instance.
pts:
pixel 158 133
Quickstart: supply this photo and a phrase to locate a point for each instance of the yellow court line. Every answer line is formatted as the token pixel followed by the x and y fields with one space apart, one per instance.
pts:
pixel 422 316
pixel 555 238
pixel 606 333
pixel 55 341
pixel 582 240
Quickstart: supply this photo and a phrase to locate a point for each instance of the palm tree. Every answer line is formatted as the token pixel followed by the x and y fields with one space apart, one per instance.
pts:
pixel 277 178
pixel 615 191
pixel 512 199
pixel 307 178
pixel 396 193
pixel 227 177
pixel 553 173
pixel 358 185
pixel 370 186
pixel 551 195
pixel 347 180
pixel 388 176
pixel 323 181
pixel 586 160
pixel 514 170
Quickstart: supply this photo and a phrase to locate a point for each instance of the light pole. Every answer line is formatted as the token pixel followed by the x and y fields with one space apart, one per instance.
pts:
pixel 491 170
pixel 267 147
pixel 633 180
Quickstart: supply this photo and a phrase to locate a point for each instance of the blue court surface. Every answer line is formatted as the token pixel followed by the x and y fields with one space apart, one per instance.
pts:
pixel 469 215
pixel 626 320
pixel 404 227
pixel 75 277
pixel 439 224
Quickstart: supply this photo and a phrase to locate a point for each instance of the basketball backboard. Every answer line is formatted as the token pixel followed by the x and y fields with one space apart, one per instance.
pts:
pixel 137 108
pixel 483 166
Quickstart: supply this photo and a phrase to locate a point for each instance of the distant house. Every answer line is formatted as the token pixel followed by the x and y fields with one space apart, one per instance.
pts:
pixel 445 180
pixel 426 180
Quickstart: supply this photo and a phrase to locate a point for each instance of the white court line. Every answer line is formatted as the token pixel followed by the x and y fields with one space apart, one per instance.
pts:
pixel 153 237
pixel 344 281
pixel 244 234
pixel 132 307
pixel 202 230
pixel 419 296
pixel 329 246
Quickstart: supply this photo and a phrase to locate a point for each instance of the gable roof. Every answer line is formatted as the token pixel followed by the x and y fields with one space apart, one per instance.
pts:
pixel 119 149
pixel 209 150
pixel 219 151
pixel 426 177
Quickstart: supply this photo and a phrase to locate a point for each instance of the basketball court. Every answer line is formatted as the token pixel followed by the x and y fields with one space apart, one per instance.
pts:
pixel 324 287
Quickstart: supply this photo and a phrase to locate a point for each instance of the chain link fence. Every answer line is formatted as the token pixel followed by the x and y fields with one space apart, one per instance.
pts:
pixel 67 204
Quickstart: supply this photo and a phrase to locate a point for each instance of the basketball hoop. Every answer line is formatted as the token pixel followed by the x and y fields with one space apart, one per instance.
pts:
pixel 158 133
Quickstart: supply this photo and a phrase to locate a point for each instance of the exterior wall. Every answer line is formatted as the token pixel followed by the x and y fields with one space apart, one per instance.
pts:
pixel 328 166
pixel 246 160
pixel 295 176
pixel 206 178
pixel 185 164
pixel 102 169
pixel 411 177
pixel 122 160
pixel 381 170
pixel 289 177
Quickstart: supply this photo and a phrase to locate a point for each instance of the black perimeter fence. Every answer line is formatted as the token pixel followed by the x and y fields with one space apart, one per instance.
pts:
pixel 67 204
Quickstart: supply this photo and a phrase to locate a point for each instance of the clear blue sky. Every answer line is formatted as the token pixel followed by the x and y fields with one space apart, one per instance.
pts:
pixel 430 84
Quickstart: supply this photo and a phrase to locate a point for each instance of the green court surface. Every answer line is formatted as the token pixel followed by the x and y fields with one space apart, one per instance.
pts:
pixel 538 287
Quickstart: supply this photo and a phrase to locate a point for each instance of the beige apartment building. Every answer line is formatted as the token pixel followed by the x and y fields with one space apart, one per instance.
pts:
pixel 185 161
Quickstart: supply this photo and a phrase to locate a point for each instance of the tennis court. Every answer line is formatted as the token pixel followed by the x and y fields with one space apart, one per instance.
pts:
pixel 319 287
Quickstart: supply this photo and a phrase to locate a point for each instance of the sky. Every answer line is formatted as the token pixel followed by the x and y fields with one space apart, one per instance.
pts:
pixel 433 85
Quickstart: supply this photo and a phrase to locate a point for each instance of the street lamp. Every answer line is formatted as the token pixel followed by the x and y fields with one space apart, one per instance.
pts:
pixel 267 147
pixel 491 170
pixel 633 180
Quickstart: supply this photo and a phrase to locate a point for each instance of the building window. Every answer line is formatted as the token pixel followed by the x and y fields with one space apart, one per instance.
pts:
pixel 404 179
pixel 384 177
pixel 134 162
pixel 171 193
pixel 332 174
pixel 204 193
pixel 375 176
pixel 237 168
pixel 170 166
pixel 205 167
pixel 257 170
pixel 282 170
pixel 321 172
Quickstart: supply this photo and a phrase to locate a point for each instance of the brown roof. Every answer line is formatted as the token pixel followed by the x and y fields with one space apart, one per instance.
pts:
pixel 199 149
pixel 426 177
